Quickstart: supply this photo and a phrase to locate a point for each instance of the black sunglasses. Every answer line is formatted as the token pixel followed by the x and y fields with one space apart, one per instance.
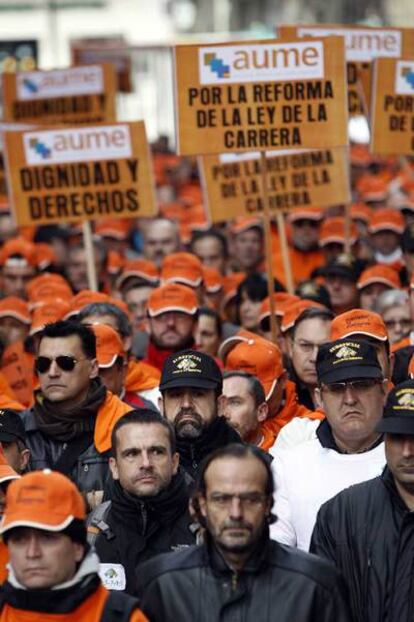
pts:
pixel 64 362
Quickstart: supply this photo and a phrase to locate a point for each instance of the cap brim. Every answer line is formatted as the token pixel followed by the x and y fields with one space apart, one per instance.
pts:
pixel 16 315
pixel 339 271
pixel 396 425
pixel 356 333
pixel 380 280
pixel 7 474
pixel 8 437
pixel 198 383
pixel 108 362
pixel 155 313
pixel 37 521
pixel 350 373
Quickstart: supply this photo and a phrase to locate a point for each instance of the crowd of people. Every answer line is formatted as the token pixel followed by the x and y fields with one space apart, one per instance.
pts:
pixel 167 455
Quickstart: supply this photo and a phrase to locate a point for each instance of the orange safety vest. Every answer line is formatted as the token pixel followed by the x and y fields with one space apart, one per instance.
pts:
pixel 290 409
pixel 90 610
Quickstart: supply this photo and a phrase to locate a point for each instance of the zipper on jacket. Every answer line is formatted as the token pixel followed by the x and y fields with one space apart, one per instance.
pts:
pixel 144 515
pixel 194 463
pixel 234 581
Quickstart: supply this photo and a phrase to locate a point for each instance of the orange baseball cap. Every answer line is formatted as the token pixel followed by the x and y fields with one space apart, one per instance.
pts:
pixel 114 263
pixel 83 298
pixel 49 311
pixel 258 357
pixel 184 268
pixel 43 500
pixel 359 155
pixel 172 297
pixel 358 322
pixel 386 219
pixel 141 269
pixel 305 213
pixel 333 231
pixel 244 223
pixel 230 284
pixel 108 345
pixel 379 273
pixel 372 188
pixel 282 301
pixel 6 472
pixel 15 307
pixel 116 228
pixel 25 251
pixel 49 280
pixel 294 311
pixel 45 256
pixel 360 211
pixel 213 280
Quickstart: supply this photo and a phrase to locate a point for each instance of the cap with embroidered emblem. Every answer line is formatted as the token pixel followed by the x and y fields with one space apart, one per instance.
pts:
pixel 398 416
pixel 190 368
pixel 347 359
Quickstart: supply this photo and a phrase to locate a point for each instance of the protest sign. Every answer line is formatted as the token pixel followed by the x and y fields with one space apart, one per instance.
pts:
pixel 392 124
pixel 6 127
pixel 362 45
pixel 79 173
pixel 75 95
pixel 233 183
pixel 260 95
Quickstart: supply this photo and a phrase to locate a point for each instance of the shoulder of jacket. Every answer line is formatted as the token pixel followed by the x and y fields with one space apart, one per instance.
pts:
pixel 313 568
pixel 356 496
pixel 29 419
pixel 184 559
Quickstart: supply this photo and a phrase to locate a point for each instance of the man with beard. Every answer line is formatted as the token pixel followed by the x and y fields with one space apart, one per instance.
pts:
pixel 148 509
pixel 238 573
pixel 191 386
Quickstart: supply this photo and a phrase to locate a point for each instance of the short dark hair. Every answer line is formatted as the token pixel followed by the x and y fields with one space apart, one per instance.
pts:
pixel 211 233
pixel 123 325
pixel 310 314
pixel 68 328
pixel 215 315
pixel 238 451
pixel 255 386
pixel 142 416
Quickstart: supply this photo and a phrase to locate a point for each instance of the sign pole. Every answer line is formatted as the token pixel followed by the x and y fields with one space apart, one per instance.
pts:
pixel 268 248
pixel 90 255
pixel 347 246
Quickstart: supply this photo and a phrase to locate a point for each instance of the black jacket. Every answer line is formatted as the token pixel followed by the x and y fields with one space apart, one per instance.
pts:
pixel 278 584
pixel 368 532
pixel 140 528
pixel 192 451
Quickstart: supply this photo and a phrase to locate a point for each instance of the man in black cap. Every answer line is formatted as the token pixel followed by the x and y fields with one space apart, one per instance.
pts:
pixel 13 440
pixel 191 385
pixel 347 448
pixel 368 529
pixel 341 281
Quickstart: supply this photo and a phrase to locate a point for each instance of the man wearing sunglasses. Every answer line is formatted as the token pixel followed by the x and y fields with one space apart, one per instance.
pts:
pixel 69 427
pixel 347 448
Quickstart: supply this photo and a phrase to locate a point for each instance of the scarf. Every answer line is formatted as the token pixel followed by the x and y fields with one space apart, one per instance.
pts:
pixel 157 356
pixel 65 425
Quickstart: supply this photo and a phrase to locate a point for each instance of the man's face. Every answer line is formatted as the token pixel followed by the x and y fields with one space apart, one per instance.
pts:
pixel 354 412
pixel 16 457
pixel 189 409
pixel 248 249
pixel 239 408
pixel 11 330
pixel 249 312
pixel 235 506
pixel 369 294
pixel 206 336
pixel 76 268
pixel 210 253
pixel 160 240
pixel 144 464
pixel 42 559
pixel 66 388
pixel 398 322
pixel 14 280
pixel 305 234
pixel 342 291
pixel 399 451
pixel 385 242
pixel 172 330
pixel 303 347
pixel 136 298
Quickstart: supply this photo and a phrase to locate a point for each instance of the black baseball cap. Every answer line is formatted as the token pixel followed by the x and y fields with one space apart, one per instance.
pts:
pixel 347 359
pixel 11 426
pixel 344 265
pixel 189 368
pixel 398 416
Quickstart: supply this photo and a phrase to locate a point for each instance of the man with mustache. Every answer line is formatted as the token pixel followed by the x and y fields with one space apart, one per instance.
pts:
pixel 367 530
pixel 191 385
pixel 238 573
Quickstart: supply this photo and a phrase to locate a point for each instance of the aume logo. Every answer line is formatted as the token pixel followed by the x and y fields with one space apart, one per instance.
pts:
pixel 77 145
pixel 274 62
pixel 404 77
pixel 60 83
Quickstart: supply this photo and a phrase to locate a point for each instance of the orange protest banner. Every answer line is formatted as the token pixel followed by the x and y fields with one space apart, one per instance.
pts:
pixel 363 44
pixel 6 127
pixel 233 183
pixel 79 173
pixel 75 95
pixel 392 125
pixel 260 95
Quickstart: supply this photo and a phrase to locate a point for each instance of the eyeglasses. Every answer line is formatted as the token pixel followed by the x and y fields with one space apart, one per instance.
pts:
pixel 394 323
pixel 247 500
pixel 358 386
pixel 64 362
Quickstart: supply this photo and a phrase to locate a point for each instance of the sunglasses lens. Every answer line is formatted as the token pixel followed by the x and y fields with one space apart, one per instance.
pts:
pixel 66 363
pixel 42 364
